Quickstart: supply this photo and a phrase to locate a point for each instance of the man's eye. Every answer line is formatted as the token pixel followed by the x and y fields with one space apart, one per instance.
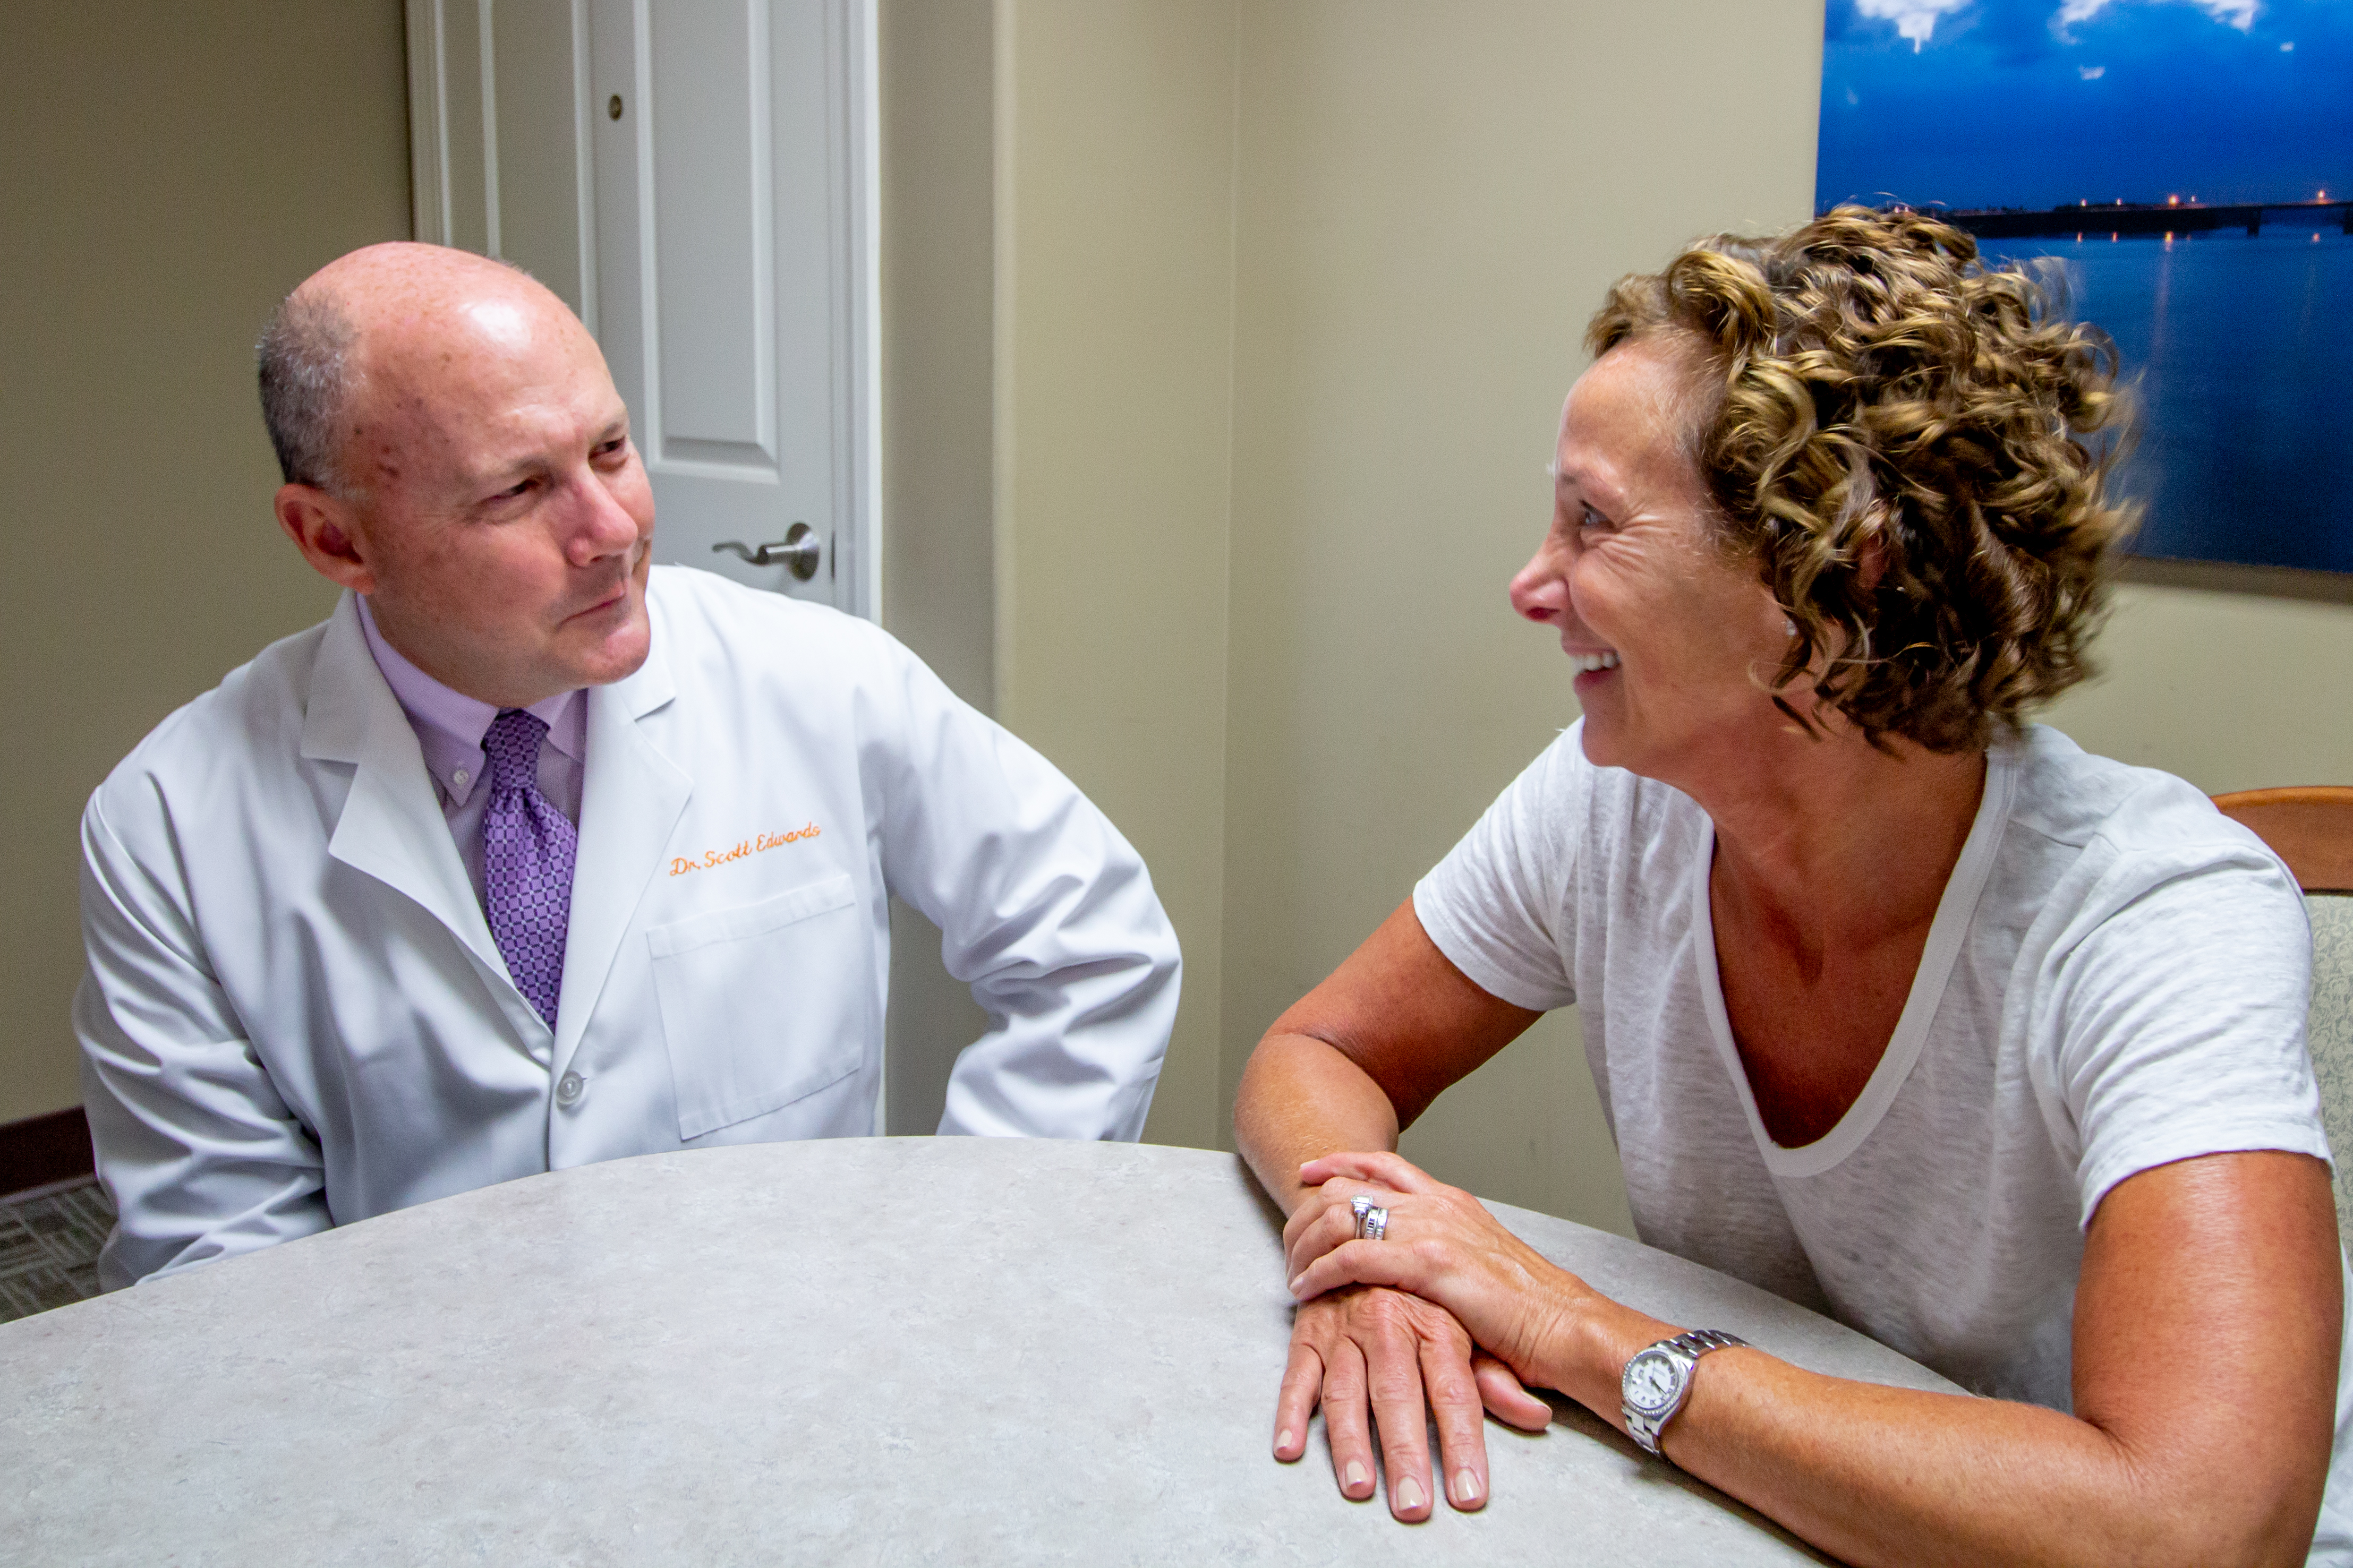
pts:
pixel 1590 521
pixel 516 492
pixel 614 448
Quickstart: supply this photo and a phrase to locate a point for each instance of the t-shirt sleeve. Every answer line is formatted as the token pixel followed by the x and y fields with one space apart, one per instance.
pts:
pixel 2181 999
pixel 1496 906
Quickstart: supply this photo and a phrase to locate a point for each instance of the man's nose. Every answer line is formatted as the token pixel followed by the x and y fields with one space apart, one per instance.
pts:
pixel 602 526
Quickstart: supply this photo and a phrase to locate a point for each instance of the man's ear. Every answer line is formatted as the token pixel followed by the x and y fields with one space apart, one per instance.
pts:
pixel 320 527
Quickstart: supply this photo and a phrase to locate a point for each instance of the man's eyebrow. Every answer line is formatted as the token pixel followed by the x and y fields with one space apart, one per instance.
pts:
pixel 496 478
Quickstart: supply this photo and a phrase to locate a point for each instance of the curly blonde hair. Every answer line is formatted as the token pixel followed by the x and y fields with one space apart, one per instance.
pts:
pixel 1904 440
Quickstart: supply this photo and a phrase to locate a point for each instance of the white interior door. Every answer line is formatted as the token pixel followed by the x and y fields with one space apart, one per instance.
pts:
pixel 698 178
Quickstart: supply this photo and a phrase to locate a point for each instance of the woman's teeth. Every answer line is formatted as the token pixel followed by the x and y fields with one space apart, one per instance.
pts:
pixel 1586 663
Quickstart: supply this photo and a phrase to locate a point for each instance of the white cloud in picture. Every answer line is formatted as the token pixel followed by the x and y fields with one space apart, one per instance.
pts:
pixel 2239 14
pixel 1914 19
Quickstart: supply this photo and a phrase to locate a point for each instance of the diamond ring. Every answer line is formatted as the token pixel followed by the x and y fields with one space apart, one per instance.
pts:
pixel 1372 1219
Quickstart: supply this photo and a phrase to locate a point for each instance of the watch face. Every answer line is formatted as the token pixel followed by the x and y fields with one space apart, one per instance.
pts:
pixel 1650 1383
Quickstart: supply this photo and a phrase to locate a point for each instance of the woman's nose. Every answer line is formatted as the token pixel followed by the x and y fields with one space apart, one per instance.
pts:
pixel 1540 589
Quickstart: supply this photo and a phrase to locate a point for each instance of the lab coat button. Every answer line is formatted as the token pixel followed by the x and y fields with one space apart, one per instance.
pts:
pixel 568 1088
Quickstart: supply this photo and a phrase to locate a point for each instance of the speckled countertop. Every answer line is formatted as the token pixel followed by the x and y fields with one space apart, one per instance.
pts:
pixel 883 1350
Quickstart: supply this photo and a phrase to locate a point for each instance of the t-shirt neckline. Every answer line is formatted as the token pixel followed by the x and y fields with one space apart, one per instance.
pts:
pixel 1955 912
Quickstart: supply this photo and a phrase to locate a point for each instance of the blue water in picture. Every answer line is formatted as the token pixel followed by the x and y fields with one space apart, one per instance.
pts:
pixel 2242 350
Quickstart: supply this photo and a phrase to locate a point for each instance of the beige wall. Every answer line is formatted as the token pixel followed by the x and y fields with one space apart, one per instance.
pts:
pixel 1286 301
pixel 171 169
pixel 2233 680
pixel 1115 287
pixel 938 130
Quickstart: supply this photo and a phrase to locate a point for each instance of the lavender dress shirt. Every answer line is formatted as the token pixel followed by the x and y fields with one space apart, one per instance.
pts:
pixel 450 728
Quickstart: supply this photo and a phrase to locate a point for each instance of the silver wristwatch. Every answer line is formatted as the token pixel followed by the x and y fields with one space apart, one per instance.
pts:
pixel 1658 1381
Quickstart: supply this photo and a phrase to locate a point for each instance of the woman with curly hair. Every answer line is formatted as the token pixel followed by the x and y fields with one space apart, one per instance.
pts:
pixel 1901 1007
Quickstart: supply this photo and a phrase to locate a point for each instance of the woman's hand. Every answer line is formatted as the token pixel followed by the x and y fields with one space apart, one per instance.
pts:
pixel 1443 1246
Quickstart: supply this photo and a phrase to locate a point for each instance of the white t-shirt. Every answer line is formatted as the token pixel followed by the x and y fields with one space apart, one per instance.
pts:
pixel 2115 978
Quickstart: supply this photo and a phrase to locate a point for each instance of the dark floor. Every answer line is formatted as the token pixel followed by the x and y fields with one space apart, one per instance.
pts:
pixel 49 1248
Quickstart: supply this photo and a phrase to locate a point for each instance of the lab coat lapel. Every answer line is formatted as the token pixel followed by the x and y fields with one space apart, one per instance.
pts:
pixel 631 796
pixel 391 826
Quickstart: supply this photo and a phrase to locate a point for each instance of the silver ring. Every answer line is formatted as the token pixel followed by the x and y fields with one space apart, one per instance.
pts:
pixel 1372 1221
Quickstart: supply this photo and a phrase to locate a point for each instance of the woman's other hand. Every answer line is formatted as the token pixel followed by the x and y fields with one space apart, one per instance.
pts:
pixel 1373 1357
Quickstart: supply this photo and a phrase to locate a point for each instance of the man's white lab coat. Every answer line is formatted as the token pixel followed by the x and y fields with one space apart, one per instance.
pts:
pixel 295 1016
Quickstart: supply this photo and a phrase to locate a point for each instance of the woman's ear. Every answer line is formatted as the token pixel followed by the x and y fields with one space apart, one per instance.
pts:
pixel 1870 561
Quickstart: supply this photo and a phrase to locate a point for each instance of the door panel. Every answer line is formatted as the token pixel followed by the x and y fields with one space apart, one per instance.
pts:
pixel 498 135
pixel 725 266
pixel 714 283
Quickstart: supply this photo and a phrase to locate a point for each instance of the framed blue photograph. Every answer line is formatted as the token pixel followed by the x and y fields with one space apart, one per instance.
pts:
pixel 2190 161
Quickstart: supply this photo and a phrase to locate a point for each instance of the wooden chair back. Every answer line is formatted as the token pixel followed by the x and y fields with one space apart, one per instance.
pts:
pixel 2309 826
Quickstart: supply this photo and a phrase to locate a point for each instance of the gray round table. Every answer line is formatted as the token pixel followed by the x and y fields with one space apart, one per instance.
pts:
pixel 878 1350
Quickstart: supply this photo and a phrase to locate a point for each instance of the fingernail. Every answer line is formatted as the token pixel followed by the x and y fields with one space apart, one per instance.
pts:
pixel 1294 1286
pixel 1353 1476
pixel 1466 1487
pixel 1284 1439
pixel 1408 1495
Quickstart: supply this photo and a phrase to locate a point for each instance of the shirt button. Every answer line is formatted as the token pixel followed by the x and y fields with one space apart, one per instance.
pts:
pixel 460 775
pixel 568 1088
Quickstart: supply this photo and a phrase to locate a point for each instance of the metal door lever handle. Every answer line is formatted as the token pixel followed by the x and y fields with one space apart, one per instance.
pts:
pixel 799 552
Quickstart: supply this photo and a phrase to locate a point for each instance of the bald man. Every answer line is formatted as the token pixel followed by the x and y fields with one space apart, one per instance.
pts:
pixel 532 855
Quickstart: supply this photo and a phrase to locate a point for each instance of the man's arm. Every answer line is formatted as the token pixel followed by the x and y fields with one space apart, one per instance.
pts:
pixel 1044 909
pixel 200 1154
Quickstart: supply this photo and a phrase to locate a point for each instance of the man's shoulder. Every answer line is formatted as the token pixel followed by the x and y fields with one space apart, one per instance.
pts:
pixel 694 603
pixel 249 724
pixel 714 629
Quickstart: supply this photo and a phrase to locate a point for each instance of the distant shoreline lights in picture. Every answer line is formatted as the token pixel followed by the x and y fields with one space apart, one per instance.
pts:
pixel 2191 163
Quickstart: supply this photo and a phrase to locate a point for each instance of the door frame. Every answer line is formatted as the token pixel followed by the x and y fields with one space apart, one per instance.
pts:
pixel 455 199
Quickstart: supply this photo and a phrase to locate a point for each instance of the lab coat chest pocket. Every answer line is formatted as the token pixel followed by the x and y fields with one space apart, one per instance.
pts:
pixel 761 1005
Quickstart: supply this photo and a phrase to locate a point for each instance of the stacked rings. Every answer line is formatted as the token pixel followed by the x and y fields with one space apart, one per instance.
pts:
pixel 1372 1219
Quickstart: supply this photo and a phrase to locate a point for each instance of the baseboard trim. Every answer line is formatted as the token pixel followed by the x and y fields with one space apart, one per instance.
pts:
pixel 43 1151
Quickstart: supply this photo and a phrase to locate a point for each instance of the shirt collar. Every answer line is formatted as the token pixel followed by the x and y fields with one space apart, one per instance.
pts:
pixel 450 725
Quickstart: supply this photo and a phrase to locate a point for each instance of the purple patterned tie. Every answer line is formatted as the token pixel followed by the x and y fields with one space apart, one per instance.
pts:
pixel 528 851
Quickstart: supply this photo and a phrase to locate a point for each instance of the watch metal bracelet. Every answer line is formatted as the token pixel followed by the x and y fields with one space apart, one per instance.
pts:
pixel 1657 1381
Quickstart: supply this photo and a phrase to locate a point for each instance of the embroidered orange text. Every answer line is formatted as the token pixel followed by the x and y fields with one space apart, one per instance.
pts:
pixel 758 844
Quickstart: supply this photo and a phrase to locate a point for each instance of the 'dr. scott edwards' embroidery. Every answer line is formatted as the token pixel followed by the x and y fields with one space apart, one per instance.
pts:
pixel 753 845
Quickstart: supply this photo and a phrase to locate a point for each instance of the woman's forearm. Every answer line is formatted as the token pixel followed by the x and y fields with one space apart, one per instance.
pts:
pixel 1877 1475
pixel 1301 1098
pixel 1880 1475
